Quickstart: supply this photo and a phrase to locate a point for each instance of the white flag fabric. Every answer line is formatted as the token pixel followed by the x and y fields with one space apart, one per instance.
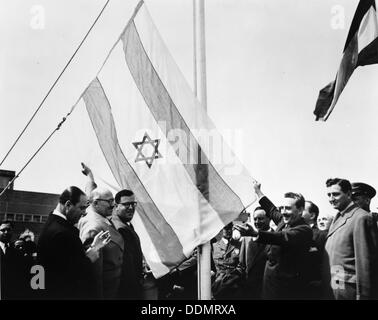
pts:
pixel 150 128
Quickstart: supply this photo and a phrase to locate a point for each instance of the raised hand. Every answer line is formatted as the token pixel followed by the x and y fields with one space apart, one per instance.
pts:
pixel 86 170
pixel 101 240
pixel 257 187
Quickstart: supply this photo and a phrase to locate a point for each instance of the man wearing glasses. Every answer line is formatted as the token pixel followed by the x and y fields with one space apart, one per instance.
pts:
pixel 287 246
pixel 108 267
pixel 132 268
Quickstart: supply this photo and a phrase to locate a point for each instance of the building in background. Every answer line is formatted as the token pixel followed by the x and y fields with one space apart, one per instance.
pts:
pixel 27 210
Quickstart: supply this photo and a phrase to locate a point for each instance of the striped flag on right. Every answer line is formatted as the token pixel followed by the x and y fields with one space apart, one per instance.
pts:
pixel 361 48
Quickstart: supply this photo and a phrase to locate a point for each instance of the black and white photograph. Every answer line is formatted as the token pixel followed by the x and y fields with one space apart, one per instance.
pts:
pixel 196 150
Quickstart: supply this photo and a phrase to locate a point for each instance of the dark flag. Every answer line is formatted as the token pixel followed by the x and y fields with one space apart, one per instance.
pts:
pixel 361 48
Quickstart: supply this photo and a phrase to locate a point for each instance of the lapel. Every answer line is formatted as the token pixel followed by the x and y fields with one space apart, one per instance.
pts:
pixel 106 224
pixel 229 247
pixel 128 228
pixel 280 226
pixel 341 220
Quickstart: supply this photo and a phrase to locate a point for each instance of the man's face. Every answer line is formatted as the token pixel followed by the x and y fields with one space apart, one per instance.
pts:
pixel 261 221
pixel 75 212
pixel 307 215
pixel 126 208
pixel 338 199
pixel 104 204
pixel 227 233
pixel 289 210
pixel 5 232
pixel 324 222
pixel 362 201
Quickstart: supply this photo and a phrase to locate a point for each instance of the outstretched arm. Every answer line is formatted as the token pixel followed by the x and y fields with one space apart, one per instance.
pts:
pixel 91 184
pixel 271 210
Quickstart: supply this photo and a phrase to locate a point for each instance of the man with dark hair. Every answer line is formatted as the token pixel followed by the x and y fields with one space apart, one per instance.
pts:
pixel 288 246
pixel 310 213
pixel 68 267
pixel 132 267
pixel 253 256
pixel 14 270
pixel 350 268
pixel 315 255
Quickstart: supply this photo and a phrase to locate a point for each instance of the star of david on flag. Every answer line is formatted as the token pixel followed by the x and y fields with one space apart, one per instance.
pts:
pixel 141 150
pixel 140 90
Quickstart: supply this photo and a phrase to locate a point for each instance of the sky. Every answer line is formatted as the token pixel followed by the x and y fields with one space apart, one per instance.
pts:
pixel 266 62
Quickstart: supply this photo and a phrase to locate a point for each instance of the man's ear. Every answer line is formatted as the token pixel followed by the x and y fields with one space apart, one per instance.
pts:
pixel 68 204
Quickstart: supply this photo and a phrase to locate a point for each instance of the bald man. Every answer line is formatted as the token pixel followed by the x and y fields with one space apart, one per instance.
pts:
pixel 108 267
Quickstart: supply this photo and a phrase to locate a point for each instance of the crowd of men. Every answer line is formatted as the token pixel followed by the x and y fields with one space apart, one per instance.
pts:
pixel 89 249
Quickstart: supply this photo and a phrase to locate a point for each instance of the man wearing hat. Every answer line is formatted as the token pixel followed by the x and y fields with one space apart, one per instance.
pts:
pixel 226 258
pixel 362 194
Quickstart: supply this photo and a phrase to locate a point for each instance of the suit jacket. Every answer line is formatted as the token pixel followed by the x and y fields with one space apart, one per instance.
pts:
pixel 132 267
pixel 314 264
pixel 287 253
pixel 252 260
pixel 68 271
pixel 350 259
pixel 15 274
pixel 108 267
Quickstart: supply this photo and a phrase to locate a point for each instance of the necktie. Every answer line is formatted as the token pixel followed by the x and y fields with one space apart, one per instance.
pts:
pixel 337 216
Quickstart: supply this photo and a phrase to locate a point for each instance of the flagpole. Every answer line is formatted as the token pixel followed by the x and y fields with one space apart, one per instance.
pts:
pixel 204 251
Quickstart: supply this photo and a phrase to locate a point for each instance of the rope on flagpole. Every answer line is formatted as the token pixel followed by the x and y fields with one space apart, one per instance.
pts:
pixel 53 85
pixel 35 153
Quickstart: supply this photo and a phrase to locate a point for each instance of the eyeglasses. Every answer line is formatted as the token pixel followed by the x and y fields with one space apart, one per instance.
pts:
pixel 109 201
pixel 130 204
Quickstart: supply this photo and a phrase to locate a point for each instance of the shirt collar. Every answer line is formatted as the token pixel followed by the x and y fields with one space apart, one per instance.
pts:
pixel 59 214
pixel 347 208
pixel 226 241
pixel 2 246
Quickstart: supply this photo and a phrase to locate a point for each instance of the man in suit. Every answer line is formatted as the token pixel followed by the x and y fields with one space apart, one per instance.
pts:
pixel 67 265
pixel 252 258
pixel 132 267
pixel 288 246
pixel 108 267
pixel 15 273
pixel 350 265
pixel 315 255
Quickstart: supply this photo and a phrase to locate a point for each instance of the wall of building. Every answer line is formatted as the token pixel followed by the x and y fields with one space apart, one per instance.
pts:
pixel 27 209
